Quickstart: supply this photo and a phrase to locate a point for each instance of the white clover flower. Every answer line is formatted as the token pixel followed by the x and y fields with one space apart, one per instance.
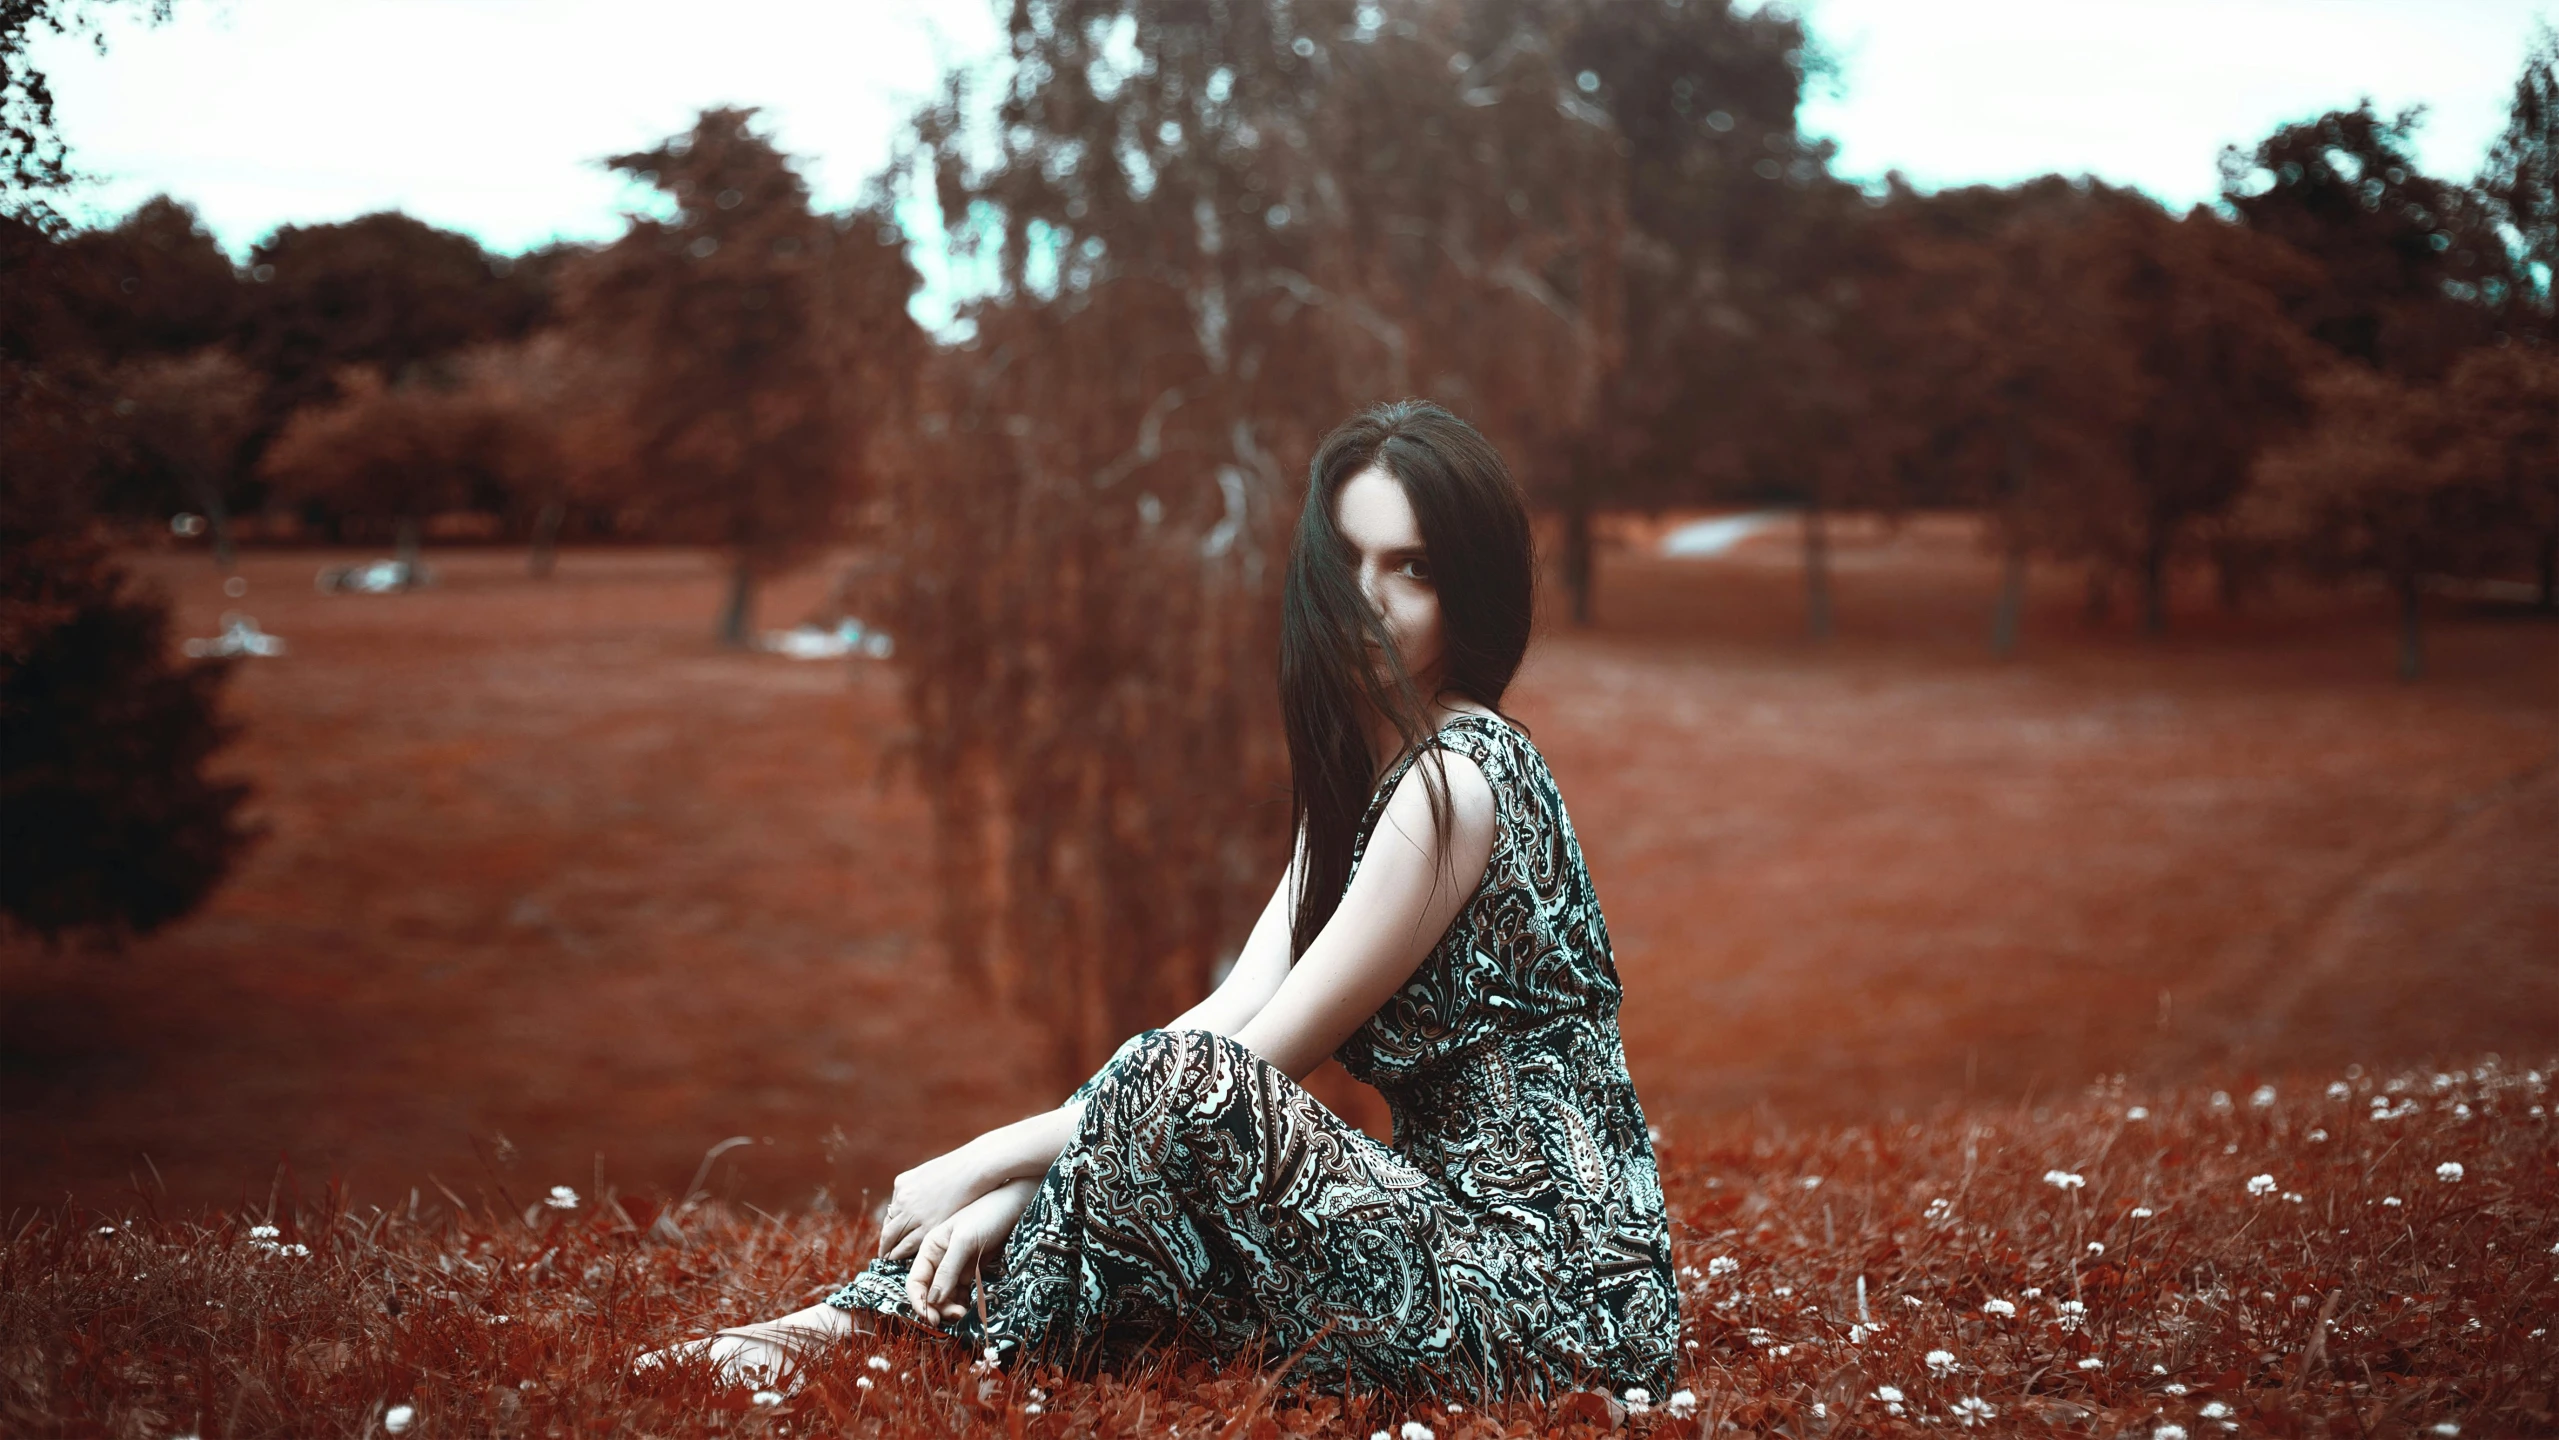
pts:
pixel 1682 1404
pixel 1381 1435
pixel 2092 1363
pixel 2261 1184
pixel 2033 1292
pixel 2064 1180
pixel 2096 1247
pixel 1812 1182
pixel 1973 1410
pixel 2172 1388
pixel 1722 1265
pixel 399 1418
pixel 2168 1430
pixel 1940 1362
pixel 2214 1410
pixel 878 1362
pixel 263 1232
pixel 2316 1136
pixel 2142 1212
pixel 2073 1314
pixel 1034 1408
pixel 2449 1172
pixel 1416 1430
pixel 2446 1428
pixel 2221 1101
pixel 1999 1307
pixel 2137 1112
pixel 564 1198
pixel 106 1229
pixel 862 1382
pixel 1913 1301
pixel 1889 1394
pixel 2390 1200
pixel 1636 1398
pixel 2262 1097
pixel 767 1397
pixel 2339 1090
pixel 2294 1196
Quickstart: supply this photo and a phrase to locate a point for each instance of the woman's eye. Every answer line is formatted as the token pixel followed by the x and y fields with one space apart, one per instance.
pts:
pixel 1416 569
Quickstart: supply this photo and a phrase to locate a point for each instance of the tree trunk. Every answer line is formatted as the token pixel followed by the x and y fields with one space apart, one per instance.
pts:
pixel 2101 593
pixel 546 534
pixel 2412 649
pixel 2550 571
pixel 2154 589
pixel 1816 572
pixel 2006 621
pixel 218 516
pixel 1580 561
pixel 407 552
pixel 739 612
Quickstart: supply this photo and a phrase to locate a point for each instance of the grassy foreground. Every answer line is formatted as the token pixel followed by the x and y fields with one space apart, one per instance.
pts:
pixel 2349 1255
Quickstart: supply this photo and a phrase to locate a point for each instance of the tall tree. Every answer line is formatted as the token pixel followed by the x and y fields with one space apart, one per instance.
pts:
pixel 2380 486
pixel 2218 372
pixel 2521 178
pixel 2346 191
pixel 2000 385
pixel 183 420
pixel 396 453
pixel 383 292
pixel 154 283
pixel 744 313
pixel 2504 407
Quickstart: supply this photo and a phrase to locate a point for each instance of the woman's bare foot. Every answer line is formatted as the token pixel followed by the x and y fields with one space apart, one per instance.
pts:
pixel 769 1354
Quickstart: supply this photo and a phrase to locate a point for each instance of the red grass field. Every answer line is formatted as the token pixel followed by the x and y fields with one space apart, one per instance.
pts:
pixel 555 892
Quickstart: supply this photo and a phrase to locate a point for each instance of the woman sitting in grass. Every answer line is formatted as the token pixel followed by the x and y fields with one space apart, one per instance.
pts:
pixel 1437 932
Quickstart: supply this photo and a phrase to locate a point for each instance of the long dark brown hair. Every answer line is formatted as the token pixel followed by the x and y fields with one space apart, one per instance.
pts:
pixel 1474 524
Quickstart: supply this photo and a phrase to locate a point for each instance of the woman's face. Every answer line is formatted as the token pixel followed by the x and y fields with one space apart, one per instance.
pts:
pixel 1376 522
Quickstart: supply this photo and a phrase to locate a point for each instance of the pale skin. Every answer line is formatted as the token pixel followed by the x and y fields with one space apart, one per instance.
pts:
pixel 947 1212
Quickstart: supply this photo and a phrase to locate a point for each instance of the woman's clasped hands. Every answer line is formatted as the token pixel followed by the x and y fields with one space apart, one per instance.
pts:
pixel 943 1216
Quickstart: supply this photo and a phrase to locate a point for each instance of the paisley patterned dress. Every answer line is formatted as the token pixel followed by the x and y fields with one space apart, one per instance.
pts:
pixel 1511 1242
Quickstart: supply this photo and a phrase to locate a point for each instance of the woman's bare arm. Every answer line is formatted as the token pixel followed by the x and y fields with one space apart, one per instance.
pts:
pixel 1409 886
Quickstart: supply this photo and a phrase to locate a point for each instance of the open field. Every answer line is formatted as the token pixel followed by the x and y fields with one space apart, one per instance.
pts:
pixel 2352 1255
pixel 555 893
pixel 554 890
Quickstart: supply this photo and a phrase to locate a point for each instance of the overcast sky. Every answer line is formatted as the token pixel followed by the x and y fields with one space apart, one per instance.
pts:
pixel 489 115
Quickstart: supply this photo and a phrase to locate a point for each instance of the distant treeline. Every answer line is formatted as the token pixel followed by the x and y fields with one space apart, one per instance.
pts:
pixel 1594 226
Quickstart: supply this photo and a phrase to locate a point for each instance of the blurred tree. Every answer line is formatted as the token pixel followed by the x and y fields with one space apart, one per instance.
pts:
pixel 394 452
pixel 2379 486
pixel 2216 370
pixel 110 822
pixel 748 318
pixel 2504 405
pixel 33 160
pixel 155 283
pixel 2521 177
pixel 1215 232
pixel 2411 272
pixel 1719 184
pixel 1998 388
pixel 381 292
pixel 183 419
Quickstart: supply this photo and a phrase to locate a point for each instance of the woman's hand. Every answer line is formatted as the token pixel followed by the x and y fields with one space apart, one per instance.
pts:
pixel 928 1195
pixel 946 1256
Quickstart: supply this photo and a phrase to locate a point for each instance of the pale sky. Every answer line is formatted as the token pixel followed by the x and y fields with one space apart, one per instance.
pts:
pixel 263 112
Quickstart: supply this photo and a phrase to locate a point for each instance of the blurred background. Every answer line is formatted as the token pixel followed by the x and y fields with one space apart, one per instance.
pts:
pixel 581 583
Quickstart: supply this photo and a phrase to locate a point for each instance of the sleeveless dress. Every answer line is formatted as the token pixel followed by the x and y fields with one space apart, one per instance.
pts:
pixel 1512 1241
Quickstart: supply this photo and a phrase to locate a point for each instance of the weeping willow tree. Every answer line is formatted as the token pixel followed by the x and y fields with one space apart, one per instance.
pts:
pixel 1216 232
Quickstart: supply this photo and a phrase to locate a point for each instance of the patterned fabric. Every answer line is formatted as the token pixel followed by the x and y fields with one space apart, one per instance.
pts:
pixel 1512 1241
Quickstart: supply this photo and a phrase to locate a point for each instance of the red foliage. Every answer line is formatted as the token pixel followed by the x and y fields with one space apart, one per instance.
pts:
pixel 2362 1255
